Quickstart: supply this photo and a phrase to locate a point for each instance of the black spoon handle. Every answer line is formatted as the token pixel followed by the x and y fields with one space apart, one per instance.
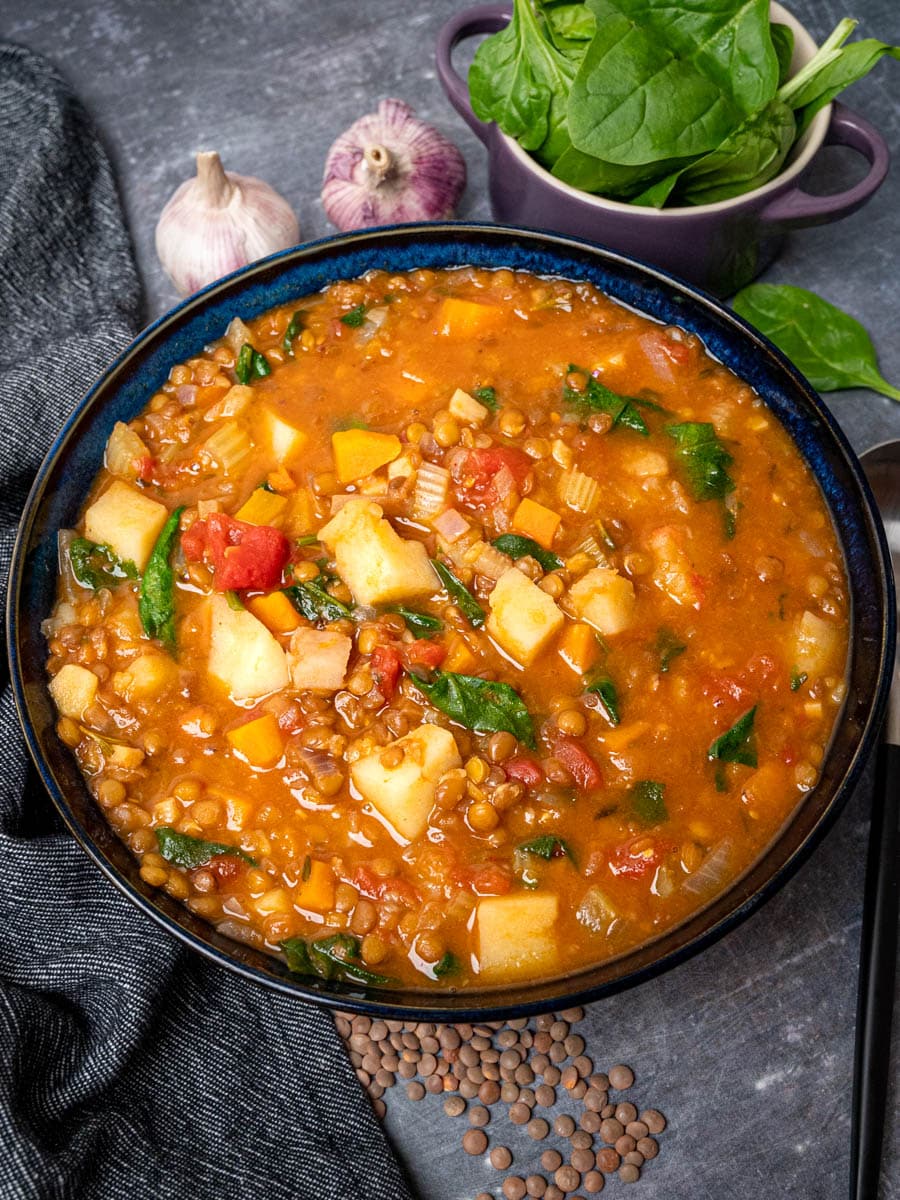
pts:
pixel 877 963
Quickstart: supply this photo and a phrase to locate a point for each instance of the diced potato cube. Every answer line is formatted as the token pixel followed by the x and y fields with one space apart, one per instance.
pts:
pixel 263 508
pixel 404 794
pixel 126 520
pixel 275 900
pixel 815 645
pixel 286 440
pixel 536 521
pixel 243 654
pixel 359 452
pixel 259 741
pixel 401 468
pixel 605 599
pixel 128 758
pixel 316 892
pixel 146 677
pixel 646 464
pixel 673 571
pixel 73 689
pixel 276 612
pixel 466 408
pixel 516 934
pixel 378 565
pixel 318 659
pixel 523 618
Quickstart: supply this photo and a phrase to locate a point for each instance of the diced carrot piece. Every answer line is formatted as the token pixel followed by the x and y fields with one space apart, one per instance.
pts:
pixel 276 612
pixel 536 521
pixel 282 481
pixel 359 452
pixel 316 891
pixel 263 508
pixel 579 647
pixel 465 318
pixel 460 658
pixel 259 741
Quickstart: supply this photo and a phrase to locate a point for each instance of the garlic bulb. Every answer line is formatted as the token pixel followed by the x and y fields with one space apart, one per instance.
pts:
pixel 218 222
pixel 390 168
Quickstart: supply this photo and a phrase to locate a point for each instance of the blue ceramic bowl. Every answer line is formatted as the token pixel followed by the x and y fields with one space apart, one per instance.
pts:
pixel 65 476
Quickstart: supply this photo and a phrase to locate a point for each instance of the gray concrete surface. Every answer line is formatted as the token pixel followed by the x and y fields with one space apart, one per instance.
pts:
pixel 748 1048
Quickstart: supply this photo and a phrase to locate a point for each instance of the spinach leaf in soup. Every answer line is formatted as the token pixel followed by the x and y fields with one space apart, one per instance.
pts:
pixel 648 802
pixel 480 704
pixel 607 697
pixel 830 347
pixel 596 397
pixel 334 957
pixel 703 459
pixel 521 80
pixel 419 624
pixel 660 80
pixel 251 364
pixel 737 744
pixel 459 594
pixel 190 852
pixel 517 546
pixel 547 846
pixel 96 566
pixel 156 605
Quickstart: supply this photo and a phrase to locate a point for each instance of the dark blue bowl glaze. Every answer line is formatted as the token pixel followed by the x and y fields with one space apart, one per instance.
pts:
pixel 65 476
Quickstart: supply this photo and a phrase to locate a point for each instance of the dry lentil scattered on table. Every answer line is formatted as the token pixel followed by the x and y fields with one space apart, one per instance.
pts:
pixel 526 1067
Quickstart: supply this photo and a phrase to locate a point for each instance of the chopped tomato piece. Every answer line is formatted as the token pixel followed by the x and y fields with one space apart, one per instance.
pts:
pixel 637 857
pixel 242 555
pixel 580 765
pixel 145 467
pixel 424 653
pixel 524 769
pixel 391 887
pixel 488 475
pixel 386 667
pixel 485 879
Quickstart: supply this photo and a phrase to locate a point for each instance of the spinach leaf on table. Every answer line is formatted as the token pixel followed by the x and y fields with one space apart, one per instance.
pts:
pixel 479 704
pixel 520 79
pixel 660 81
pixel 831 348
pixel 156 604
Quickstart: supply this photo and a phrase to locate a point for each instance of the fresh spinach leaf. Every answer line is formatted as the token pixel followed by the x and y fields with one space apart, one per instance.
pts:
pixel 156 604
pixel 547 846
pixel 520 79
pixel 618 182
pixel 703 458
pixel 598 398
pixel 798 678
pixel 830 347
pixel 448 964
pixel 186 851
pixel 783 44
pixel 96 566
pixel 607 697
pixel 668 647
pixel 251 364
pixel 460 595
pixel 569 23
pixel 294 329
pixel 479 704
pixel 648 801
pixel 355 317
pixel 312 601
pixel 737 744
pixel 419 624
pixel 524 547
pixel 334 957
pixel 659 81
pixel 488 397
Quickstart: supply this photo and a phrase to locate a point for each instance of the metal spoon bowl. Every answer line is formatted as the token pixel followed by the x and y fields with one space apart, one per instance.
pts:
pixel 878 945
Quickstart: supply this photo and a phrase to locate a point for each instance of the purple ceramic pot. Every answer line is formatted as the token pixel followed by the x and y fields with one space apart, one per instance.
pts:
pixel 719 246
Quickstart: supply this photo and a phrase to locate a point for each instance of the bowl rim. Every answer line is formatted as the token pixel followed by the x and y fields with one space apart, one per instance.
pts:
pixel 564 990
pixel 810 144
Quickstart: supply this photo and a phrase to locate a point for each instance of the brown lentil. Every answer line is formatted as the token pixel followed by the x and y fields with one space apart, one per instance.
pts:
pixel 479 1115
pixel 621 1077
pixel 514 1187
pixel 474 1141
pixel 501 1157
pixel 551 1159
pixel 629 1173
pixel 654 1120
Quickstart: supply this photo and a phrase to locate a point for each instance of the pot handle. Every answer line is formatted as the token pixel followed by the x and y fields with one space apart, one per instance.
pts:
pixel 847 128
pixel 482 18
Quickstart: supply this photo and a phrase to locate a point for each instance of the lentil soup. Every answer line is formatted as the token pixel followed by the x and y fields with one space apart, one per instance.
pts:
pixel 449 629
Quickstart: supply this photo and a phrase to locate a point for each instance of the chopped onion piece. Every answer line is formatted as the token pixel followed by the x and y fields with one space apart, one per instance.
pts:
pixel 432 489
pixel 711 872
pixel 451 525
pixel 595 912
pixel 232 404
pixel 124 452
pixel 237 334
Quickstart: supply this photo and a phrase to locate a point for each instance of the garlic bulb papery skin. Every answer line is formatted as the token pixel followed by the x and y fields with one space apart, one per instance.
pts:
pixel 219 221
pixel 390 168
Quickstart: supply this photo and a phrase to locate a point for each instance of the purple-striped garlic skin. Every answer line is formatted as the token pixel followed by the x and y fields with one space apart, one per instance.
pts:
pixel 390 168
pixel 218 222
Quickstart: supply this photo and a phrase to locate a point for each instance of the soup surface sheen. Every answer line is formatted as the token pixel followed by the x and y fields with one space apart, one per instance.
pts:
pixel 449 629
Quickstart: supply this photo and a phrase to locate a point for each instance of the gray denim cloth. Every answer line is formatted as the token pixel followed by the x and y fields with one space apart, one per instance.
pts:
pixel 129 1067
